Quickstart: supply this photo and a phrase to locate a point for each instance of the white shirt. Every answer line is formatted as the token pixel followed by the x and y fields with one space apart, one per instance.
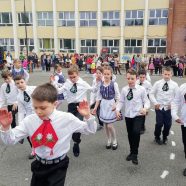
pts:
pixel 9 61
pixel 64 124
pixel 148 77
pixel 80 95
pixel 93 94
pixel 116 89
pixel 178 105
pixel 146 84
pixel 140 100
pixel 164 98
pixel 8 98
pixel 25 108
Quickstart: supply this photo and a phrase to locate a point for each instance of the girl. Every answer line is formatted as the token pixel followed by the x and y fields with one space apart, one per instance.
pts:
pixel 151 67
pixel 108 94
pixel 59 80
pixel 96 83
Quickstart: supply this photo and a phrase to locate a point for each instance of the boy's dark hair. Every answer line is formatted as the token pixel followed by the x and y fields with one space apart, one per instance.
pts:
pixel 45 92
pixel 167 69
pixel 73 69
pixel 142 72
pixel 132 72
pixel 5 74
pixel 19 77
pixel 100 69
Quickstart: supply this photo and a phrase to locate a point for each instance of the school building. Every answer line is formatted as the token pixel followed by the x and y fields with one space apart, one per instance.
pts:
pixel 92 26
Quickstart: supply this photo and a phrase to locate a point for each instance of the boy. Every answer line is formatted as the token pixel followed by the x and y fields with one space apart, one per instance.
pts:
pixel 18 70
pixel 179 103
pixel 161 95
pixel 75 91
pixel 24 102
pixel 147 85
pixel 8 95
pixel 50 132
pixel 135 101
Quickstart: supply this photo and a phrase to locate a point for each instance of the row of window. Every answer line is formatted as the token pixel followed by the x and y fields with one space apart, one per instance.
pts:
pixel 89 18
pixel 156 45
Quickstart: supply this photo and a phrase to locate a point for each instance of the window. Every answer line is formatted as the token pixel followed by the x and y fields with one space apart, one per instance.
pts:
pixel 89 46
pixel 6 19
pixel 88 19
pixel 111 45
pixel 158 17
pixel 66 19
pixel 45 18
pixel 133 46
pixel 30 43
pixel 134 17
pixel 25 18
pixel 46 44
pixel 67 45
pixel 7 44
pixel 157 45
pixel 111 18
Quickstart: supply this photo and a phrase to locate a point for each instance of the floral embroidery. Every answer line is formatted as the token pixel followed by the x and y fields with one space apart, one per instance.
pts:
pixel 50 138
pixel 39 138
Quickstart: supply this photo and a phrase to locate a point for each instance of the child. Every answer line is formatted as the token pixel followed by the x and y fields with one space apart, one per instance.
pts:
pixel 127 66
pixel 145 67
pixel 151 67
pixel 93 67
pixel 75 90
pixel 59 80
pixel 108 94
pixel 147 85
pixel 25 64
pixel 18 70
pixel 135 101
pixel 8 95
pixel 50 132
pixel 24 102
pixel 180 69
pixel 96 82
pixel 161 95
pixel 178 104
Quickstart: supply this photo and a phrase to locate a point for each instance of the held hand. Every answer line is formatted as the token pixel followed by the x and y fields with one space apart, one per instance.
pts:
pixel 52 78
pixel 143 111
pixel 114 107
pixel 14 108
pixel 118 115
pixel 5 119
pixel 157 107
pixel 179 121
pixel 84 109
pixel 94 111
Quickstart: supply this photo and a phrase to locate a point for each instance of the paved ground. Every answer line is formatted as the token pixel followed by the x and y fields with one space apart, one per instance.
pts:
pixel 97 166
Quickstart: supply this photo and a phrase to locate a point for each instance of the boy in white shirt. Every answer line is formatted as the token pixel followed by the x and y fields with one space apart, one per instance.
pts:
pixel 50 132
pixel 135 101
pixel 179 104
pixel 8 95
pixel 161 95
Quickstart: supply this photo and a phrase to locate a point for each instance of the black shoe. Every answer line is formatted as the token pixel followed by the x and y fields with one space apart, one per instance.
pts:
pixel 114 146
pixel 76 149
pixel 165 140
pixel 135 160
pixel 158 141
pixel 21 141
pixel 129 157
pixel 31 156
pixel 108 146
pixel 184 172
pixel 99 128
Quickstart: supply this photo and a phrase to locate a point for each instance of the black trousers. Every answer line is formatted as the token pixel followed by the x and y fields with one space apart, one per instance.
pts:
pixel 133 129
pixel 97 113
pixel 49 175
pixel 163 119
pixel 13 124
pixel 72 108
pixel 183 130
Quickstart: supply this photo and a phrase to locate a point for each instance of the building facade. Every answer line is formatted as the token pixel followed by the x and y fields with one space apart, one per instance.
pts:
pixel 85 26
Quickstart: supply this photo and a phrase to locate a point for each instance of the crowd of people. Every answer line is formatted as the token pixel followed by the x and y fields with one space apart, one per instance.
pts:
pixel 48 129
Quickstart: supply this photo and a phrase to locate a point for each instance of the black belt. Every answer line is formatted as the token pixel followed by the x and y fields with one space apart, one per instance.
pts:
pixel 50 162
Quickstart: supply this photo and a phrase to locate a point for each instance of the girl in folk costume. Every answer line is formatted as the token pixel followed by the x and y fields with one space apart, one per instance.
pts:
pixel 59 80
pixel 109 95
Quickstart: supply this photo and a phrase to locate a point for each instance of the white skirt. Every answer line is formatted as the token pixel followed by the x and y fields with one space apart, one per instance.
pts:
pixel 106 113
